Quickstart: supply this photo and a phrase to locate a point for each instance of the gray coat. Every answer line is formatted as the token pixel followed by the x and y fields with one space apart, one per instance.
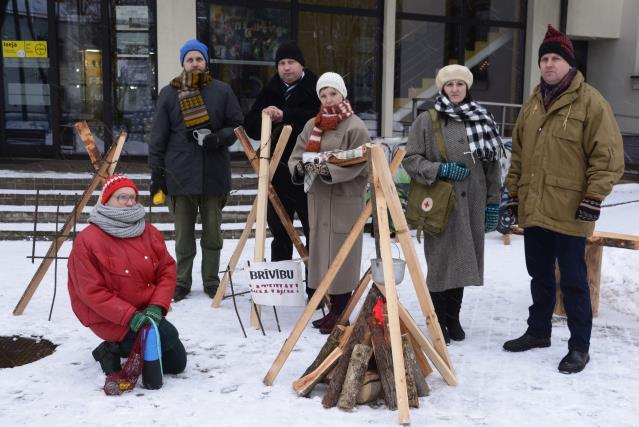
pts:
pixel 188 168
pixel 334 205
pixel 455 258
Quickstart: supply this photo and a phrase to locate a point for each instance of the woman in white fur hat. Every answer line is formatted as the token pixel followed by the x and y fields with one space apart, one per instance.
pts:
pixel 455 257
pixel 336 194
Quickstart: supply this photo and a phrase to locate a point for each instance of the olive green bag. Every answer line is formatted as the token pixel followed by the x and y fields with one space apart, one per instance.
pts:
pixel 429 205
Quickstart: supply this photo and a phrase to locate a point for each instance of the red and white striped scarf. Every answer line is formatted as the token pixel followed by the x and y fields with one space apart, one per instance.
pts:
pixel 327 119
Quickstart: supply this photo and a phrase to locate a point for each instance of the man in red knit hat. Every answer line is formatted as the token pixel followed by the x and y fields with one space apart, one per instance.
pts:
pixel 567 154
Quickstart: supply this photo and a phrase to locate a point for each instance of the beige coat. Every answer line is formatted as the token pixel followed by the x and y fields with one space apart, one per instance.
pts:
pixel 559 156
pixel 334 205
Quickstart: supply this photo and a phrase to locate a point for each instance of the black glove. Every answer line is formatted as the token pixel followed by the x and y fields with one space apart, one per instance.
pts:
pixel 158 182
pixel 211 142
pixel 299 169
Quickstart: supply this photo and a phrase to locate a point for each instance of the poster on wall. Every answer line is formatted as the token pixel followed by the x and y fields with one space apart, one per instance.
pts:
pixel 240 33
pixel 133 44
pixel 131 18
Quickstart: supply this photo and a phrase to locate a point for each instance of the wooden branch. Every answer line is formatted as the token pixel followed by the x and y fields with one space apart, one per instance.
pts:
pixel 354 376
pixel 331 343
pixel 325 283
pixel 416 384
pixel 119 145
pixel 89 143
pixel 360 329
pixel 110 158
pixel 384 362
pixel 304 385
pixel 250 219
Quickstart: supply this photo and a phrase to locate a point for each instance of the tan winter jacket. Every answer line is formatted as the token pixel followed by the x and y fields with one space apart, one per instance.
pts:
pixel 559 156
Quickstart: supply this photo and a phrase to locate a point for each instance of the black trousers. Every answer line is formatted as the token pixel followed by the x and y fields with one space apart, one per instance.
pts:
pixel 542 248
pixel 173 352
pixel 294 201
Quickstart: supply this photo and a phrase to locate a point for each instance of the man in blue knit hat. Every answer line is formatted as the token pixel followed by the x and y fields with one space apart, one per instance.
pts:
pixel 189 159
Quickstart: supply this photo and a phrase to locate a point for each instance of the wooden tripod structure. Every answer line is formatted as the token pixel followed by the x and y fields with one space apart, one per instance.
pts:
pixel 105 168
pixel 386 199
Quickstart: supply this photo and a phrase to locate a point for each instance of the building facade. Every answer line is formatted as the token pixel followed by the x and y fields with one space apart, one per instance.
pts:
pixel 104 61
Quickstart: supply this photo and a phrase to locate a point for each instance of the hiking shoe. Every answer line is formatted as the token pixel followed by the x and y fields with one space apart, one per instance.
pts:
pixel 180 293
pixel 575 361
pixel 108 355
pixel 526 342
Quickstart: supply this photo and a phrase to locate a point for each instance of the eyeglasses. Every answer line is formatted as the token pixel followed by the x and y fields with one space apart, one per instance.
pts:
pixel 123 198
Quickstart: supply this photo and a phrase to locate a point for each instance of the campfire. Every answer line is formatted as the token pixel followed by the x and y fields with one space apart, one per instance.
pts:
pixel 357 364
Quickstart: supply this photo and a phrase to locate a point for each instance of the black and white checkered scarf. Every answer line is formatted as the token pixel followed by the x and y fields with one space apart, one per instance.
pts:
pixel 481 130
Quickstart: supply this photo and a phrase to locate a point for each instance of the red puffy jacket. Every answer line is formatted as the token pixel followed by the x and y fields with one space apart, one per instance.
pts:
pixel 112 278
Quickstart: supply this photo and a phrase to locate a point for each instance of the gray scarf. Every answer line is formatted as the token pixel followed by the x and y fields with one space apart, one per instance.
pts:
pixel 119 222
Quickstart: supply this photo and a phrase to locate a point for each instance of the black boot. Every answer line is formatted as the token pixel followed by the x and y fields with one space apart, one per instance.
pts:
pixel 453 307
pixel 526 342
pixel 108 354
pixel 440 301
pixel 575 361
pixel 338 304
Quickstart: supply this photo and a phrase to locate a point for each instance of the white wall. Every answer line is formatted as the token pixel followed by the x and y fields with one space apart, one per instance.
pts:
pixel 587 19
pixel 540 14
pixel 176 25
pixel 612 62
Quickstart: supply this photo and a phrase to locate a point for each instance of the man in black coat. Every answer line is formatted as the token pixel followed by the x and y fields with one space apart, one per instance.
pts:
pixel 289 98
pixel 194 173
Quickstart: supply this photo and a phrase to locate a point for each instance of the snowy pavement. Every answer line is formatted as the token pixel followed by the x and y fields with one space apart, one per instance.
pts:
pixel 222 384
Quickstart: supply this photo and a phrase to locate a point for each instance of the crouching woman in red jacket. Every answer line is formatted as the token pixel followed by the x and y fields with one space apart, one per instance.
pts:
pixel 121 277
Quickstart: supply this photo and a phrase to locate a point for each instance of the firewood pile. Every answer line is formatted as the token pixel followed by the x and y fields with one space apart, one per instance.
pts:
pixel 356 362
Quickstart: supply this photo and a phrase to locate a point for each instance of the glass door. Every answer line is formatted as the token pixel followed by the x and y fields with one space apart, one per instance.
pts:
pixel 26 78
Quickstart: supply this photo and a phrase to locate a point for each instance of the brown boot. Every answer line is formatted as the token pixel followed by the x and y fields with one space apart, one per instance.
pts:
pixel 338 304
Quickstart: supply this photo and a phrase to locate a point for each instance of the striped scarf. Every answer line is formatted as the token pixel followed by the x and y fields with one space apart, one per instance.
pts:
pixel 188 85
pixel 481 130
pixel 551 92
pixel 327 119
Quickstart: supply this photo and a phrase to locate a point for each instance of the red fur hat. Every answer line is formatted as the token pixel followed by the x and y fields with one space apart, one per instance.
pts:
pixel 114 182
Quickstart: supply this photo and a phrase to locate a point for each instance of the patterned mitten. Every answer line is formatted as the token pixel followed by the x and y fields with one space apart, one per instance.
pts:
pixel 492 218
pixel 453 171
pixel 137 320
pixel 154 312
pixel 511 210
pixel 323 171
pixel 589 208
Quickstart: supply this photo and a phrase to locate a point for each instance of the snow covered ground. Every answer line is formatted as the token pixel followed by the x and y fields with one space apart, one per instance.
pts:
pixel 222 384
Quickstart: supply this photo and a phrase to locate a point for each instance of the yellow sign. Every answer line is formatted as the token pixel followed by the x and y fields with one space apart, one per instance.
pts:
pixel 24 49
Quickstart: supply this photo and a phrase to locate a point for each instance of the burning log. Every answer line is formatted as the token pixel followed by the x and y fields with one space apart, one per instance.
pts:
pixel 384 361
pixel 355 376
pixel 360 331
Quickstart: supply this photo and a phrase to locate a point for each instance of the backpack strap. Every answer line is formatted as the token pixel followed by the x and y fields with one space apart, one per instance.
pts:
pixel 439 139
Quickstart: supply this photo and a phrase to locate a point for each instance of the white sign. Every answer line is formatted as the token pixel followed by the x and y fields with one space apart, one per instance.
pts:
pixel 277 283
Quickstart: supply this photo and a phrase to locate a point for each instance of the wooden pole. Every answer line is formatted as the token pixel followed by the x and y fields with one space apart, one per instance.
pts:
pixel 89 143
pixel 391 294
pixel 110 158
pixel 403 235
pixel 250 220
pixel 594 254
pixel 322 288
